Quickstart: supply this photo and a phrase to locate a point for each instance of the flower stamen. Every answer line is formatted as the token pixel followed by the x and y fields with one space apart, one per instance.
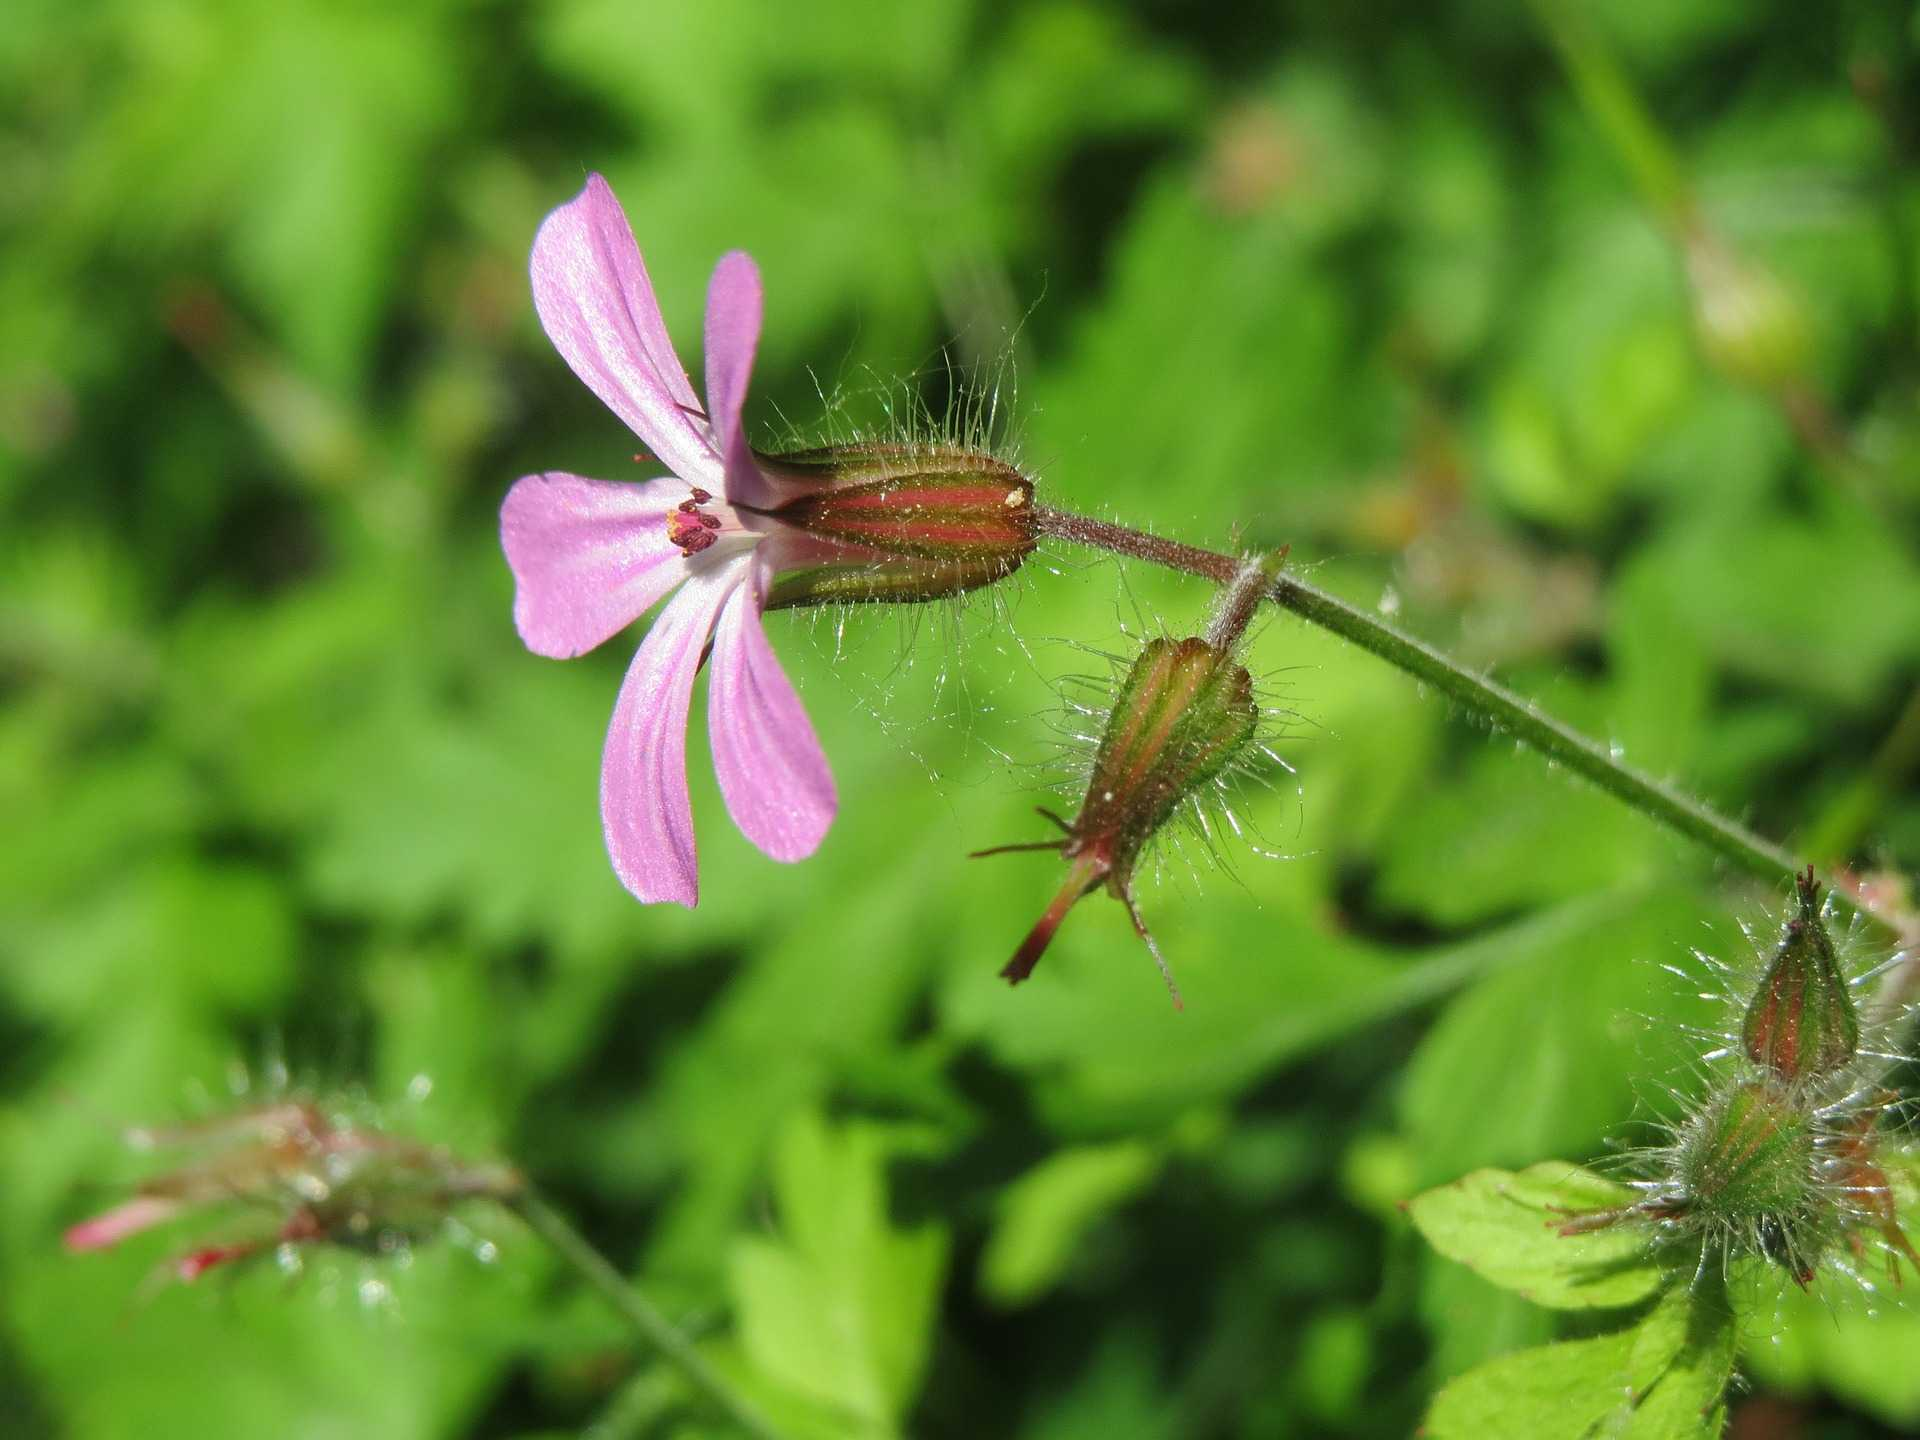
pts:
pixel 690 527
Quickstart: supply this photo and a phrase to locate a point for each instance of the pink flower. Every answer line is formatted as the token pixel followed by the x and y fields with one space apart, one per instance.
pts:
pixel 590 557
pixel 733 533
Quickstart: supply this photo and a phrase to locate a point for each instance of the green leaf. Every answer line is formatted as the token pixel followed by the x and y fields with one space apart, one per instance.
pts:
pixel 1660 1379
pixel 841 1307
pixel 1506 1227
pixel 1561 1072
pixel 1684 1349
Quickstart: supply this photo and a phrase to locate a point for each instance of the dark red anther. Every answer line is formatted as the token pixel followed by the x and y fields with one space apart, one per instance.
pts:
pixel 701 497
pixel 691 528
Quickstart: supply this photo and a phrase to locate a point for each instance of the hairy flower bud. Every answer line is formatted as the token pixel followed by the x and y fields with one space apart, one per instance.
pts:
pixel 291 1174
pixel 1184 713
pixel 1801 1025
pixel 1750 1158
pixel 898 522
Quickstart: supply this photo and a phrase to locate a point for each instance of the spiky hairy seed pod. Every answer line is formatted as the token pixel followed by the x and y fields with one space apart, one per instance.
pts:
pixel 1801 1025
pixel 1748 1155
pixel 1185 711
pixel 1781 1158
pixel 292 1174
pixel 1746 1165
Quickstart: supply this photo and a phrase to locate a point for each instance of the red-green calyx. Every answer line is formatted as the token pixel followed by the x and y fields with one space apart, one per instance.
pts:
pixel 899 521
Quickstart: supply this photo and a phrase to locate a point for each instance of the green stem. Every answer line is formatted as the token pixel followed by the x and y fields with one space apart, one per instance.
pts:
pixel 653 1327
pixel 1518 717
pixel 1610 99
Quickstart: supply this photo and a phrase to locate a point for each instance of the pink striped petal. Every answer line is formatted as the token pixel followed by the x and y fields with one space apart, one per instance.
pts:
pixel 643 773
pixel 772 771
pixel 589 557
pixel 141 1213
pixel 733 334
pixel 591 290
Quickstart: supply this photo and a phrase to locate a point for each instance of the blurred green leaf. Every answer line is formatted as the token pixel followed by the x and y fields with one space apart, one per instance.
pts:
pixel 841 1307
pixel 212 136
pixel 1572 1031
pixel 1506 1227
pixel 1045 1212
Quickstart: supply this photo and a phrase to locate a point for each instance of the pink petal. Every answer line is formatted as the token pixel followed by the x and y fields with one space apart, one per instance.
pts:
pixel 733 334
pixel 589 557
pixel 115 1225
pixel 591 290
pixel 772 771
pixel 643 773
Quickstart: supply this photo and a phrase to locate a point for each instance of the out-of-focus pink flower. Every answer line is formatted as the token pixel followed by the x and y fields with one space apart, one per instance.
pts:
pixel 290 1174
pixel 589 557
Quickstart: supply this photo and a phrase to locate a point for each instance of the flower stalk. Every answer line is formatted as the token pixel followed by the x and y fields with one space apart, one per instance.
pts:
pixel 648 1323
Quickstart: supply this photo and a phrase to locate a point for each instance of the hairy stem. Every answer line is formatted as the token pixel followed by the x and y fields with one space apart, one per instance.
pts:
pixel 653 1327
pixel 1493 702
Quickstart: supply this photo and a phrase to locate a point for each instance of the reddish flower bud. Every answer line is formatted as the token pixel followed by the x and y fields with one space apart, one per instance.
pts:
pixel 897 522
pixel 1802 1025
pixel 1185 711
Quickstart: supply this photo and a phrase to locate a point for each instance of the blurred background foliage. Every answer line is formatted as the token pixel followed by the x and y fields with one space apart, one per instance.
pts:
pixel 1627 413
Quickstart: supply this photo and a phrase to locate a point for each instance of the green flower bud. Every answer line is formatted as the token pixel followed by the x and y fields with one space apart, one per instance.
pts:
pixel 1802 1025
pixel 898 522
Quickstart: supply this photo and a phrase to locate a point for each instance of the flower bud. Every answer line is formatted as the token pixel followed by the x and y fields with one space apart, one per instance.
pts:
pixel 1184 713
pixel 1751 325
pixel 876 521
pixel 1748 1158
pixel 291 1174
pixel 1801 1025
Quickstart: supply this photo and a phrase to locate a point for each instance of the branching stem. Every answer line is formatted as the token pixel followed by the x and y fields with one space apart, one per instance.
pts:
pixel 1491 701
